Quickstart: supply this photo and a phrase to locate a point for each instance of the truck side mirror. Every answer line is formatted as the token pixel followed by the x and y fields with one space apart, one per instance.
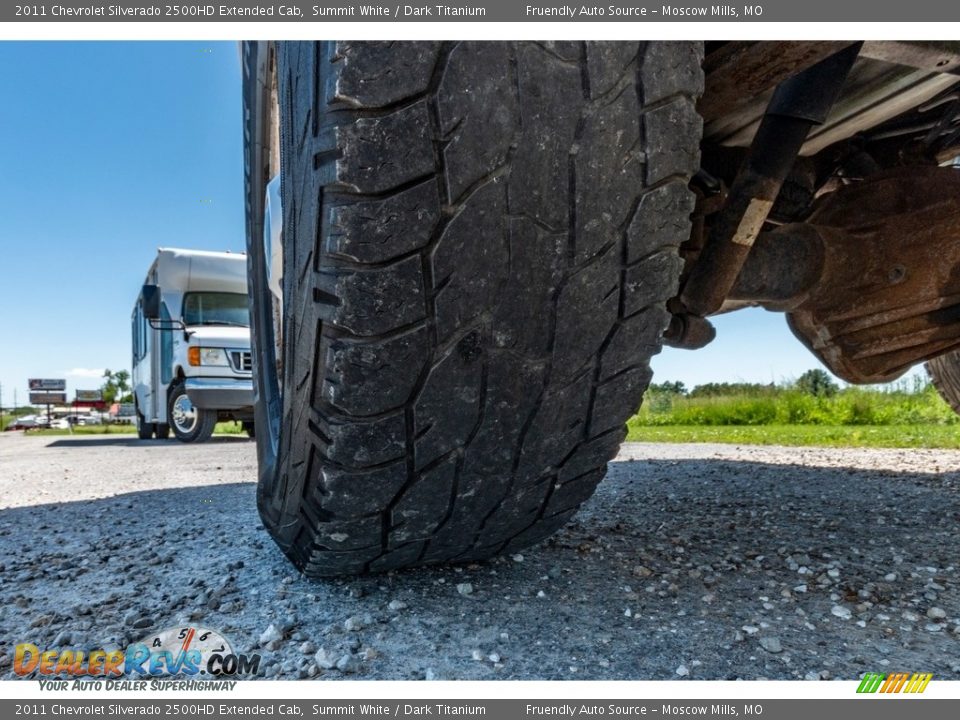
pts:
pixel 151 302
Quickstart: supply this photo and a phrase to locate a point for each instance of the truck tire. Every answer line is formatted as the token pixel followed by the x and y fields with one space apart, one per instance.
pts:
pixel 144 429
pixel 189 424
pixel 944 372
pixel 163 431
pixel 479 242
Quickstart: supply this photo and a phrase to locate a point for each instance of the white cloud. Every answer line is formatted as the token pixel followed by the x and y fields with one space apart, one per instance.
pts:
pixel 84 372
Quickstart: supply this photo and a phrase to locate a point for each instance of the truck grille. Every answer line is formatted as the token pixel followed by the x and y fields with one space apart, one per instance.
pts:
pixel 241 360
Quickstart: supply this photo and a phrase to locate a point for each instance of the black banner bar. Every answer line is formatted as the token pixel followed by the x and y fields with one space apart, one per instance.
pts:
pixel 643 11
pixel 874 707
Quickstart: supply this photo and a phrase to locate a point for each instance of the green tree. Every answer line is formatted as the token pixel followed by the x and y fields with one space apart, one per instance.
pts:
pixel 116 386
pixel 669 388
pixel 817 383
pixel 122 378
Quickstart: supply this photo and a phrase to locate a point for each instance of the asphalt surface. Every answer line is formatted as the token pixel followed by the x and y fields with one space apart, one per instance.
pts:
pixel 692 561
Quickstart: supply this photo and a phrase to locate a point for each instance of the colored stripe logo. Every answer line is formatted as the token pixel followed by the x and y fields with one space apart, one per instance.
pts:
pixel 894 683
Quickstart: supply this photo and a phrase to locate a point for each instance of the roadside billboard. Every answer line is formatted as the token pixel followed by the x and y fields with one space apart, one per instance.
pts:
pixel 89 396
pixel 48 398
pixel 50 384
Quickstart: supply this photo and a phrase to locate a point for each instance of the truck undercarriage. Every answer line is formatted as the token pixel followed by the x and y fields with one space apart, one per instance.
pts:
pixel 831 197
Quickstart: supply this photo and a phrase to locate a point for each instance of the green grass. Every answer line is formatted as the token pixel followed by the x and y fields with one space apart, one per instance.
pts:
pixel 896 416
pixel 865 436
pixel 788 406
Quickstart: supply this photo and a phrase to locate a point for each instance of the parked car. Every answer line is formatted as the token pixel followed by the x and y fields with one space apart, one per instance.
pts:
pixel 23 422
pixel 29 422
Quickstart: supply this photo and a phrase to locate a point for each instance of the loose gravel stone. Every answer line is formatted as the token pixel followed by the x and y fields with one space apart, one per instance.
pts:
pixel 353 624
pixel 325 659
pixel 271 635
pixel 841 612
pixel 771 644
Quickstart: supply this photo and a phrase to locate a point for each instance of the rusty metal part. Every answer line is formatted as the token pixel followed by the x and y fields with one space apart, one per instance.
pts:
pixel 871 283
pixel 797 105
pixel 689 332
pixel 876 92
pixel 783 266
pixel 739 71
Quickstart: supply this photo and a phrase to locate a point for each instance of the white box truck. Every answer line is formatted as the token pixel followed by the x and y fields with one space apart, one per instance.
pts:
pixel 191 345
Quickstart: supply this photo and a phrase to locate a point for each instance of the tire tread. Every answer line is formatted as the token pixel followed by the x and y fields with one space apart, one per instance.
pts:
pixel 472 313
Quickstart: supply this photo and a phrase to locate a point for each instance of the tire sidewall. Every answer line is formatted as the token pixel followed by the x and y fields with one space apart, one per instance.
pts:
pixel 144 429
pixel 266 387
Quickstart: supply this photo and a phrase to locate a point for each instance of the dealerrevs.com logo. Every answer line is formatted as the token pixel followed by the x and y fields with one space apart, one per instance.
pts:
pixel 190 651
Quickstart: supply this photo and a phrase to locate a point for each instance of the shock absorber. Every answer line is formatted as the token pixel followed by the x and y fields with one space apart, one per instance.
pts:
pixel 798 104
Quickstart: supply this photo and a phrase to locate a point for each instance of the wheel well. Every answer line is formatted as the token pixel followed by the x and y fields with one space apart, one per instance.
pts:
pixel 178 377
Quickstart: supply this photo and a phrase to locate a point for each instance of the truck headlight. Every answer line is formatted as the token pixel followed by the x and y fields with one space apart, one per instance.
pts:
pixel 207 356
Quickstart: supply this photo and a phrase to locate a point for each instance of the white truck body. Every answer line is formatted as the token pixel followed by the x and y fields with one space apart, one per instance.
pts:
pixel 202 316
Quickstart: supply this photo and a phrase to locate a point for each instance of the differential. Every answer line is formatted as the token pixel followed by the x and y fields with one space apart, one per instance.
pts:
pixel 870 282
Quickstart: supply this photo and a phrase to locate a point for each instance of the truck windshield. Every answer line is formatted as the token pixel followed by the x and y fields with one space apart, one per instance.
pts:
pixel 216 308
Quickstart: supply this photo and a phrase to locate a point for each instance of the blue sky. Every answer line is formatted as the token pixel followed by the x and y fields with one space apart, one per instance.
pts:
pixel 110 150
pixel 751 346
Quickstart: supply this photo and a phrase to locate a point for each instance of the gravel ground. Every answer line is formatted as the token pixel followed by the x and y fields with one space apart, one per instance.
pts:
pixel 693 561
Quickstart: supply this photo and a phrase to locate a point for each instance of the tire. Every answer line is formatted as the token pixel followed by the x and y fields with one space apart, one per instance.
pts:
pixel 251 429
pixel 163 431
pixel 944 372
pixel 144 429
pixel 478 250
pixel 188 423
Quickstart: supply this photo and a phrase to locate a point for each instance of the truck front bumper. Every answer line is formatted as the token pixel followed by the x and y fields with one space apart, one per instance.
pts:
pixel 220 393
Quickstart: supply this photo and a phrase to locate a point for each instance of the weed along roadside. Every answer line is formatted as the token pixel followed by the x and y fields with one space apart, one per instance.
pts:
pixel 797 413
